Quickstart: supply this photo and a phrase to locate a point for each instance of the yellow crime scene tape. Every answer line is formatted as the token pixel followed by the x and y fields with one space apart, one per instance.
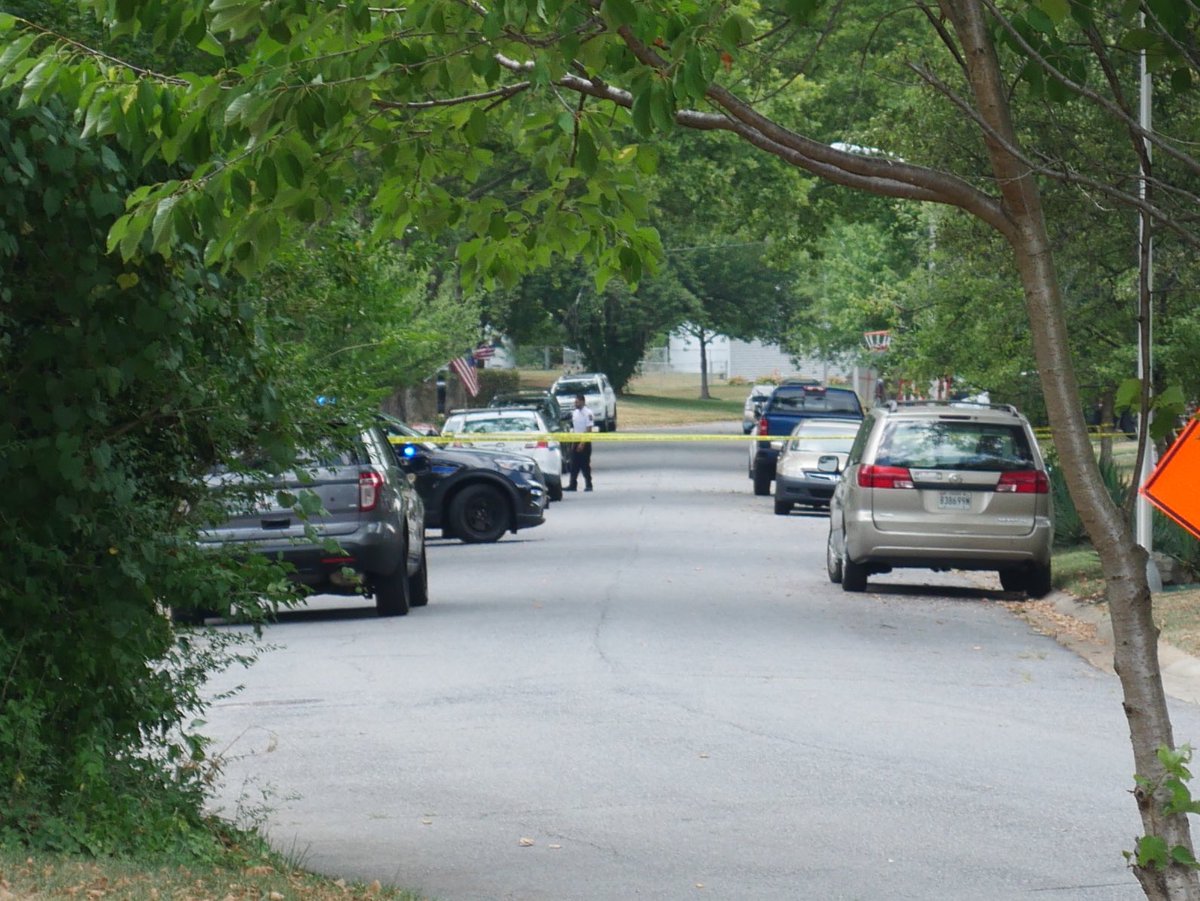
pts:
pixel 592 437
pixel 1042 433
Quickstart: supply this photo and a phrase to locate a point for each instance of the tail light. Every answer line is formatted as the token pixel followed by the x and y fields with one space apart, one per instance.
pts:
pixel 542 444
pixel 884 477
pixel 369 483
pixel 1028 481
pixel 763 427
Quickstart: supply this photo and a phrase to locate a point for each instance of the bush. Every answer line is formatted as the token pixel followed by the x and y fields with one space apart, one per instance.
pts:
pixel 1068 527
pixel 494 381
pixel 123 384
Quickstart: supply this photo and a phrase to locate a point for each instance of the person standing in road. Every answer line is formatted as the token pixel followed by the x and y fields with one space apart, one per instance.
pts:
pixel 581 452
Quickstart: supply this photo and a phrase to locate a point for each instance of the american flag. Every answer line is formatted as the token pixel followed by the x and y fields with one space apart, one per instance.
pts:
pixel 464 368
pixel 484 351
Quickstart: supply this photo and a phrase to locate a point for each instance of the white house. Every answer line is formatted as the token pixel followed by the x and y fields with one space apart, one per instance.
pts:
pixel 733 358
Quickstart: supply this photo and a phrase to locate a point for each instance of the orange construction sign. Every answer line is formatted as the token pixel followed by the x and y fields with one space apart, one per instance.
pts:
pixel 1174 486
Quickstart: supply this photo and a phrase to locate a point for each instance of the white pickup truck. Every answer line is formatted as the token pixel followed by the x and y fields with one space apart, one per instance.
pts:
pixel 597 393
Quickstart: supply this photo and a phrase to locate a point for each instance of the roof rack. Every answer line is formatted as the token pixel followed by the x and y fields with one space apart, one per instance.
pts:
pixel 894 405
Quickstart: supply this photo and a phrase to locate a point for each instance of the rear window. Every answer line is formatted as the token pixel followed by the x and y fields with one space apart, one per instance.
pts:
pixel 824 437
pixel 941 444
pixel 815 400
pixel 492 426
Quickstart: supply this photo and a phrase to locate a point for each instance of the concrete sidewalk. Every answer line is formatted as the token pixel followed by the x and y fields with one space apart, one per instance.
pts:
pixel 1085 628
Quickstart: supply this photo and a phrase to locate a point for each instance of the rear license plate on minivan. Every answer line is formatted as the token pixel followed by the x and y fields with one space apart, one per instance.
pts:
pixel 954 500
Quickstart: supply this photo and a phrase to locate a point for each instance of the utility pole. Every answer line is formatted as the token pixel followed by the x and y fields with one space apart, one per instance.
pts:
pixel 1143 512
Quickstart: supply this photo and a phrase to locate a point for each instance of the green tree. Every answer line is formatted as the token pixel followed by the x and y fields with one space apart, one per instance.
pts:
pixel 311 90
pixel 124 382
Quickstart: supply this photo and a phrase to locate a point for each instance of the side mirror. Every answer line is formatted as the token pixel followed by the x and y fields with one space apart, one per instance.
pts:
pixel 828 463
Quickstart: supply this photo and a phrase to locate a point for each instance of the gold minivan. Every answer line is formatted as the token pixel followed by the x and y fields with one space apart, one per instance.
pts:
pixel 942 485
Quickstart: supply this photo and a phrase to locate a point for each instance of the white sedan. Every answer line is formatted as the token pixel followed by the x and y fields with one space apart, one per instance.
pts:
pixel 490 429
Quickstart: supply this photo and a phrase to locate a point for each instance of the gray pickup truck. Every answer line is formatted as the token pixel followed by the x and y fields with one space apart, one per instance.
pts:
pixel 788 405
pixel 365 535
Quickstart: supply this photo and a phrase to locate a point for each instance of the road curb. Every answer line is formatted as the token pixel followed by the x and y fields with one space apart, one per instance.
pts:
pixel 1086 628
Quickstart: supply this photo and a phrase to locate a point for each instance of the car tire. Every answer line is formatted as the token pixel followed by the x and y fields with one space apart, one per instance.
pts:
pixel 833 563
pixel 555 490
pixel 854 575
pixel 391 592
pixel 782 508
pixel 1013 579
pixel 418 584
pixel 1038 581
pixel 479 514
pixel 762 482
pixel 612 423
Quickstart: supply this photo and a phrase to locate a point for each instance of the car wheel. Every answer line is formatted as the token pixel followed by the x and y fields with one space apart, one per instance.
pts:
pixel 854 575
pixel 833 563
pixel 1038 581
pixel 782 508
pixel 1013 579
pixel 391 592
pixel 612 423
pixel 479 514
pixel 555 489
pixel 418 584
pixel 762 481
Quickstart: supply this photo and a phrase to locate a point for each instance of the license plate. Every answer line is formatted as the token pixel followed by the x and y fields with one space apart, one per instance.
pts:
pixel 954 500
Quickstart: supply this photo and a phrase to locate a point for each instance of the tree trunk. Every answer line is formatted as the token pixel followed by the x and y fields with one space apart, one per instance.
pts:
pixel 703 336
pixel 1123 562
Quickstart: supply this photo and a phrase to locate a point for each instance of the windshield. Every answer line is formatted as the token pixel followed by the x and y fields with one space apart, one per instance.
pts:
pixel 576 386
pixel 955 445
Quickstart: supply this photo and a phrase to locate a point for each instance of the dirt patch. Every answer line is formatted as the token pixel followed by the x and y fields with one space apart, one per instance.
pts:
pixel 1177 612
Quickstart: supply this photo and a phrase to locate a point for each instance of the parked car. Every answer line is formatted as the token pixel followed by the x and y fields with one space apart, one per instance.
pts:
pixel 494 429
pixel 367 507
pixel 798 476
pixel 752 409
pixel 557 415
pixel 473 495
pixel 789 404
pixel 941 485
pixel 597 393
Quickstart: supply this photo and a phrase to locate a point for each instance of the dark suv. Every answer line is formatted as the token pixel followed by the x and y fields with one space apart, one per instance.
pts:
pixel 366 538
pixel 473 495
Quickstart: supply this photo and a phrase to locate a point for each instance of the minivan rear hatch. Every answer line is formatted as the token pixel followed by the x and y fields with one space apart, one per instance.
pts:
pixel 956 475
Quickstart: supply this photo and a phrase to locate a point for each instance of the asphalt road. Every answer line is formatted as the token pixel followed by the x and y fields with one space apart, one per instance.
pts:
pixel 658 694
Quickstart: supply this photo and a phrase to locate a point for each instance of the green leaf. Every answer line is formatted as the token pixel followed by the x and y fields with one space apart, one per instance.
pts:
pixel 239 189
pixel 641 112
pixel 267 182
pixel 1151 852
pixel 290 168
pixel 586 155
pixel 210 45
pixel 619 12
pixel 238 108
pixel 1128 396
pixel 161 230
pixel 1180 854
pixel 15 51
pixel 1056 10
